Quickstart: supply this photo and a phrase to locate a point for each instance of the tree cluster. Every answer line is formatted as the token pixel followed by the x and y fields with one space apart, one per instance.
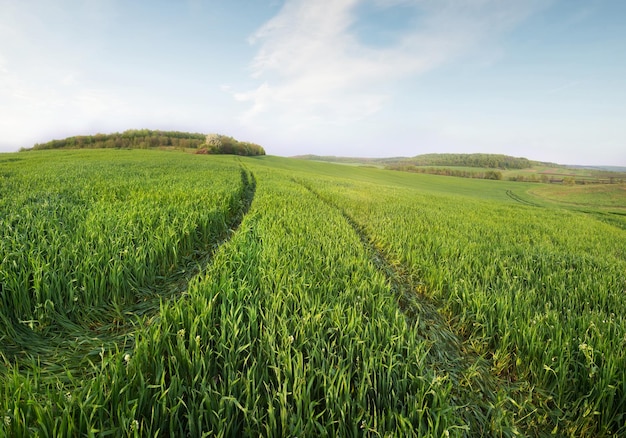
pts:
pixel 490 161
pixel 222 144
pixel 131 139
pixel 145 139
pixel 488 174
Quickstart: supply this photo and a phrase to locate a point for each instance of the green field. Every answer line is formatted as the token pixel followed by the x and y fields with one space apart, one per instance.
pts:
pixel 488 166
pixel 155 293
pixel 611 196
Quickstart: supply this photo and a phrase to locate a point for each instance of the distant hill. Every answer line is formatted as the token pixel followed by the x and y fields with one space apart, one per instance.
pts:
pixel 620 169
pixel 146 139
pixel 488 166
pixel 336 159
pixel 489 161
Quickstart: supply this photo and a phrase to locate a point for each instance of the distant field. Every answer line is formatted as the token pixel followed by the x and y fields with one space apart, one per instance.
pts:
pixel 154 293
pixel 597 195
pixel 496 190
pixel 483 165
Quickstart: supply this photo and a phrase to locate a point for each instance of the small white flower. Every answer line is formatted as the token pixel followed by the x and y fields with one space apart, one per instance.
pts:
pixel 68 397
pixel 290 339
pixel 181 333
pixel 134 425
pixel 127 358
pixel 7 420
pixel 198 340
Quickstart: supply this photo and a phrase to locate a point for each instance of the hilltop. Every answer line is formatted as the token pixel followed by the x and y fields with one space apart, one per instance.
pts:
pixel 148 139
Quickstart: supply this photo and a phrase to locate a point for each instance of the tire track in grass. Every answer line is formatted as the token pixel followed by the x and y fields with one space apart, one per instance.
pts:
pixel 608 217
pixel 73 346
pixel 476 392
pixel 521 200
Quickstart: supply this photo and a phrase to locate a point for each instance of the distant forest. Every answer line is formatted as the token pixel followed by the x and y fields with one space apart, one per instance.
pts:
pixel 490 161
pixel 447 171
pixel 485 161
pixel 145 139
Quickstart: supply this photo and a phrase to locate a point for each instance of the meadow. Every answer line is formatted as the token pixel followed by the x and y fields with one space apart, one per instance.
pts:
pixel 152 293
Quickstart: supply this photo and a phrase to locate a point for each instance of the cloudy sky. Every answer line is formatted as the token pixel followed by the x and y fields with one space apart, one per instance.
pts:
pixel 543 79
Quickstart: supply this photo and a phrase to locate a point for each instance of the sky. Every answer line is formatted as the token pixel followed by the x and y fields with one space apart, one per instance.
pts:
pixel 541 79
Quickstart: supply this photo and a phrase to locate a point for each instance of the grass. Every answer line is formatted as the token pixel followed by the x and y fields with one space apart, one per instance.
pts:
pixel 90 233
pixel 611 196
pixel 267 296
pixel 531 290
pixel 435 184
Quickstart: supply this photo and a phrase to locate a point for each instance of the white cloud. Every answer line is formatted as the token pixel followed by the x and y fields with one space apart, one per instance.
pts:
pixel 311 66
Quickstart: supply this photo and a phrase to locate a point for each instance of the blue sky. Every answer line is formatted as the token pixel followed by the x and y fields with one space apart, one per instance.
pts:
pixel 543 79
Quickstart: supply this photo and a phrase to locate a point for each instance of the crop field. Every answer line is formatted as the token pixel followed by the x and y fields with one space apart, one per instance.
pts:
pixel 153 293
pixel 599 195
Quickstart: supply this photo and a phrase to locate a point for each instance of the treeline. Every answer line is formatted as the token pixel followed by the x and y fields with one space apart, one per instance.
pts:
pixel 145 139
pixel 488 174
pixel 567 180
pixel 222 144
pixel 131 139
pixel 490 161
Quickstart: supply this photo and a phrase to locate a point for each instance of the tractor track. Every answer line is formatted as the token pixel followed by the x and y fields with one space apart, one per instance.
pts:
pixel 448 354
pixel 78 344
pixel 521 200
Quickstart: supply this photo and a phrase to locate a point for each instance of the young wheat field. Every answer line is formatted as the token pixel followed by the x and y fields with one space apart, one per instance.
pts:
pixel 156 293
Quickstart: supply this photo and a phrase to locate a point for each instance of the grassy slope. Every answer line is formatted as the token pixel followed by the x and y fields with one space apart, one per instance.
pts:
pixel 595 198
pixel 606 196
pixel 484 189
pixel 538 169
pixel 474 233
pixel 296 325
